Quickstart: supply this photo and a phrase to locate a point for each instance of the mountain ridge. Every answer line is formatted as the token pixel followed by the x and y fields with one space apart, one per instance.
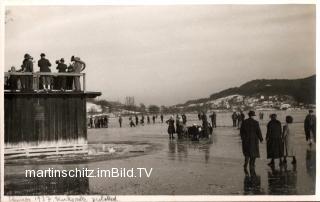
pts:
pixel 303 90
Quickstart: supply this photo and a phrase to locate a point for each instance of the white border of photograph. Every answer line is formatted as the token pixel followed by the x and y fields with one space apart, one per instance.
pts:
pixel 4 3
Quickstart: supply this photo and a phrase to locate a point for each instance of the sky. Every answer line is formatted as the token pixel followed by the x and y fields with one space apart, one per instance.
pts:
pixel 167 55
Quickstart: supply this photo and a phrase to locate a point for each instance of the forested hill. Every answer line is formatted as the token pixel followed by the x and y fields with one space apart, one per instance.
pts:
pixel 302 90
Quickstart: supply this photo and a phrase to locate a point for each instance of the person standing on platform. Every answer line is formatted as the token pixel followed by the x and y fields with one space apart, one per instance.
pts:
pixel 69 79
pixel 27 66
pixel 250 135
pixel 310 127
pixel 161 117
pixel 274 140
pixel 78 67
pixel 45 65
pixel 288 136
pixel 62 68
pixel 13 80
pixel 120 121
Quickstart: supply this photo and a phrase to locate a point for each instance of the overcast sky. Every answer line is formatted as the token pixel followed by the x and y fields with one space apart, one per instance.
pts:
pixel 168 54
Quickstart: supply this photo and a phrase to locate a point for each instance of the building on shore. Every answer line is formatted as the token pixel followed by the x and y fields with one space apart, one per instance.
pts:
pixel 39 122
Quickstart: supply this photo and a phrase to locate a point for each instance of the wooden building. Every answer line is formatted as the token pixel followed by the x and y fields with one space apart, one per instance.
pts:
pixel 45 123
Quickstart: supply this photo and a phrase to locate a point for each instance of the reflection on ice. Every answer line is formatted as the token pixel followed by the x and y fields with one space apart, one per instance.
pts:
pixel 282 181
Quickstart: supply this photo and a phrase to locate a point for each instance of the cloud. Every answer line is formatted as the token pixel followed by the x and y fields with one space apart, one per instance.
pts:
pixel 168 54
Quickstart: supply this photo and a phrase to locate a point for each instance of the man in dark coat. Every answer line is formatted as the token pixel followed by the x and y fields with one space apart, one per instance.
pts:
pixel 27 66
pixel 205 126
pixel 274 141
pixel 310 127
pixel 213 117
pixel 61 80
pixel 137 120
pixel 161 117
pixel 171 128
pixel 250 135
pixel 234 117
pixel 120 121
pixel 45 65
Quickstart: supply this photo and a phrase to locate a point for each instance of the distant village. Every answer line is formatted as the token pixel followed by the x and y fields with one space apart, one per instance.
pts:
pixel 224 104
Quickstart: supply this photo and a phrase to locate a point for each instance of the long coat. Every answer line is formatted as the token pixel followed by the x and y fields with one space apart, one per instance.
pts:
pixel 288 135
pixel 274 141
pixel 171 128
pixel 250 135
pixel 310 125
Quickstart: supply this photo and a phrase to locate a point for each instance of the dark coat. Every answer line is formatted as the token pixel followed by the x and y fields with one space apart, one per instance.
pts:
pixel 44 65
pixel 27 65
pixel 250 135
pixel 309 125
pixel 274 140
pixel 171 128
pixel 62 67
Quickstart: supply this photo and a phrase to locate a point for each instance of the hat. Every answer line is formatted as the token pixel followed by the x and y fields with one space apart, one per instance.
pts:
pixel 42 55
pixel 251 113
pixel 27 56
pixel 62 59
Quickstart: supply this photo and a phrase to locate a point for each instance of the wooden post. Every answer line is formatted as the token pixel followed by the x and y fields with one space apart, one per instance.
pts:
pixel 35 78
pixel 84 82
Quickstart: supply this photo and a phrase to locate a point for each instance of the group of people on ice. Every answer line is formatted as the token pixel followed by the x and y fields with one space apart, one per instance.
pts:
pixel 134 121
pixel 280 140
pixel 194 132
pixel 99 122
pixel 237 119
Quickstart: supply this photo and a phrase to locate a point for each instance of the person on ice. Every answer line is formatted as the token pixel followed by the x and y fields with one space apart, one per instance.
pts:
pixel 310 127
pixel 288 136
pixel 250 135
pixel 120 121
pixel 274 140
pixel 171 129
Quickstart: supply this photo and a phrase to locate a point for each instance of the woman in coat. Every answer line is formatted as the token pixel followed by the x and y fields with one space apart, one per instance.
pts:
pixel 288 136
pixel 274 141
pixel 171 129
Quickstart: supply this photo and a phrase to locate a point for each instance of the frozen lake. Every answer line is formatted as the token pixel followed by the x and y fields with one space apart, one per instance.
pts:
pixel 183 167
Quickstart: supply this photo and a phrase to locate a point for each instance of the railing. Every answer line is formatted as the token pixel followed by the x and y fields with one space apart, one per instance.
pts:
pixel 30 81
